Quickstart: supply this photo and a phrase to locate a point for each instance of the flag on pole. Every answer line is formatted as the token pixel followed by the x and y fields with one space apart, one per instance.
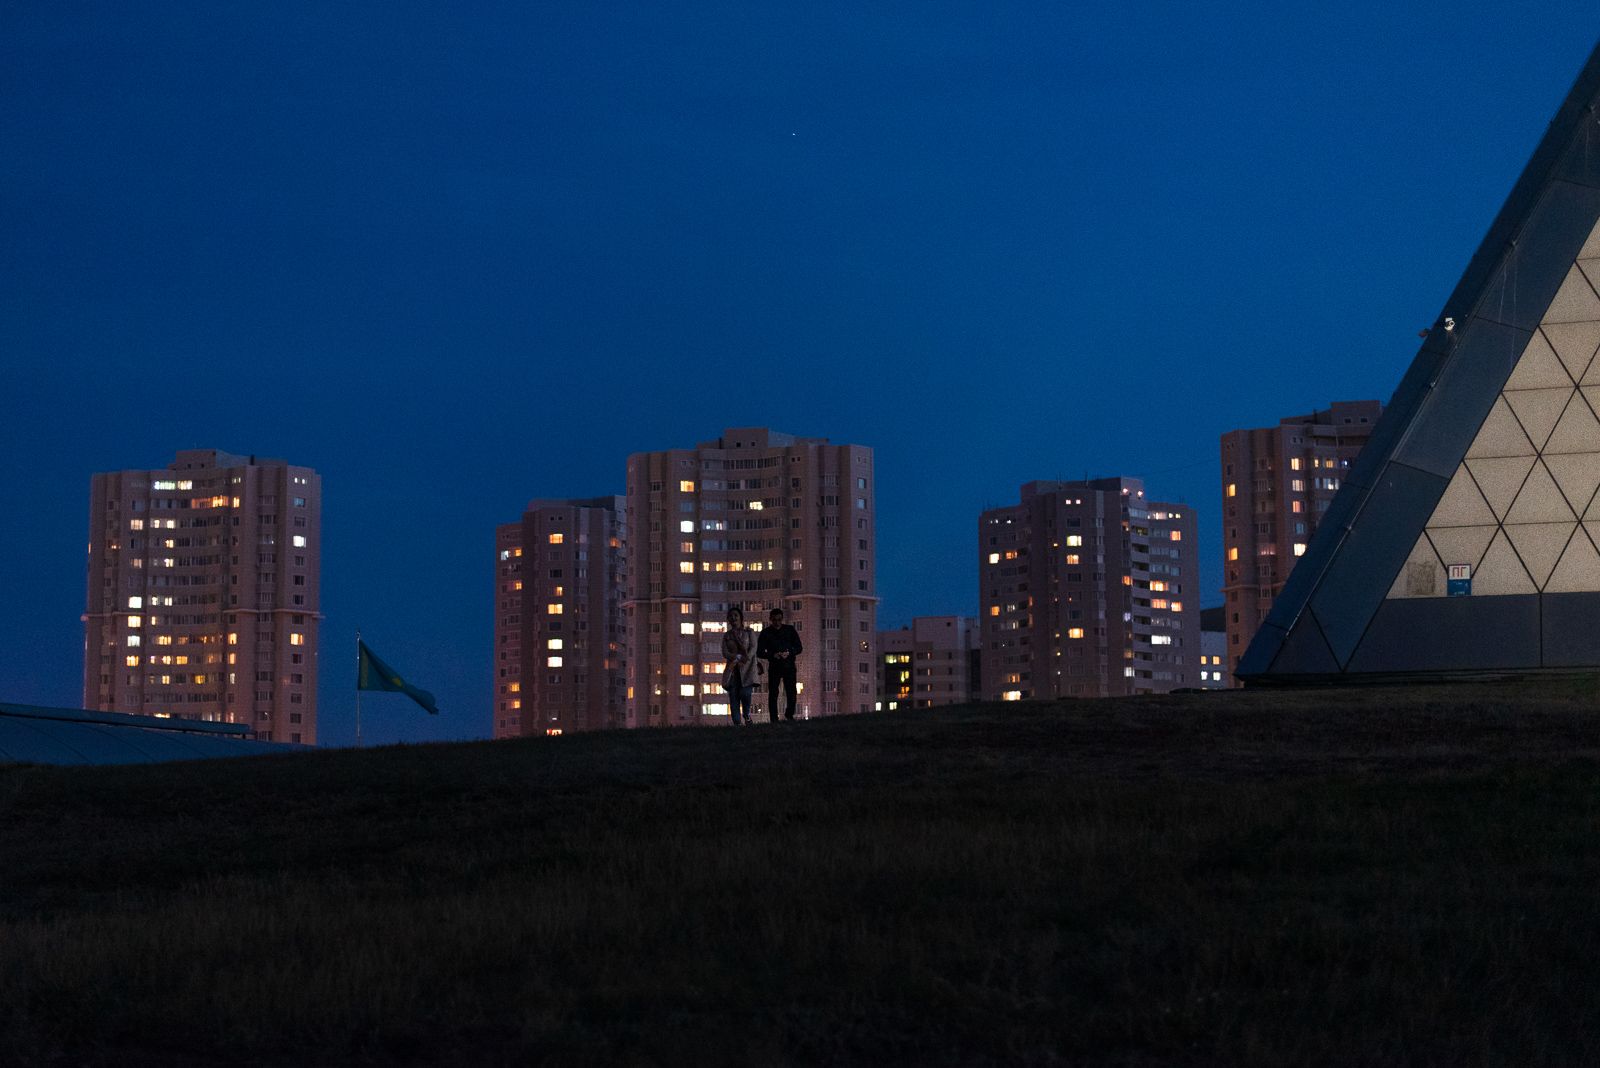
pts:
pixel 374 674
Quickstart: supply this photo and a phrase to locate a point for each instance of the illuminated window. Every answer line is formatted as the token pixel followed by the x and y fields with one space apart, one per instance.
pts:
pixel 1294 463
pixel 1074 539
pixel 1295 506
pixel 300 542
pixel 1160 587
pixel 994 610
pixel 553 643
pixel 686 567
pixel 554 609
pixel 1072 558
pixel 1266 550
pixel 716 628
pixel 1299 548
pixel 711 669
pixel 1075 632
pixel 994 558
pixel 136 524
pixel 555 539
pixel 163 485
pixel 552 661
pixel 685 628
pixel 515 687
pixel 686 486
pixel 1177 535
pixel 134 621
pixel 296 638
pixel 1011 695
pixel 1233 554
pixel 133 639
pixel 1232 489
pixel 686 690
pixel 557 591
pixel 164 639
pixel 1160 639
pixel 1158 603
pixel 687 527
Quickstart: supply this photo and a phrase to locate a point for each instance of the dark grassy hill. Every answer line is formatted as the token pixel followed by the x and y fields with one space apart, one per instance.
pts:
pixel 1337 878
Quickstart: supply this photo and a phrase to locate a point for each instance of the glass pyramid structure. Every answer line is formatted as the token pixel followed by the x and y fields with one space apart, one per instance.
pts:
pixel 1466 540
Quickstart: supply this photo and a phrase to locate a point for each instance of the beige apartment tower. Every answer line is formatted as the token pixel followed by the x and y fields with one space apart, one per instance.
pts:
pixel 1082 588
pixel 934 661
pixel 558 641
pixel 759 520
pixel 202 593
pixel 1277 482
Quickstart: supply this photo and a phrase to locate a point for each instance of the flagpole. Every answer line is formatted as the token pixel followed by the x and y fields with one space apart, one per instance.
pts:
pixel 358 688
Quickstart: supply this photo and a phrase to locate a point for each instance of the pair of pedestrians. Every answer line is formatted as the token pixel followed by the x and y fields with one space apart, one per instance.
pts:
pixel 778 646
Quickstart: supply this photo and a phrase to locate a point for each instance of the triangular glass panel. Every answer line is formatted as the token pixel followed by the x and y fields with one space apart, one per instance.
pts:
pixel 1574 345
pixel 1422 575
pixel 1540 367
pixel 1461 545
pixel 1539 545
pixel 1500 572
pixel 1539 501
pixel 1462 505
pixel 1538 409
pixel 1577 475
pixel 1579 569
pixel 1501 434
pixel 1500 478
pixel 1578 430
pixel 1575 302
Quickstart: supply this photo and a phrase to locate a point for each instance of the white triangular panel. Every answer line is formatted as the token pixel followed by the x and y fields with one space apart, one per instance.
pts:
pixel 1538 409
pixel 1500 572
pixel 1574 345
pixel 1540 368
pixel 1539 501
pixel 1540 545
pixel 1591 247
pixel 1422 575
pixel 1577 475
pixel 1462 505
pixel 1501 434
pixel 1500 478
pixel 1461 545
pixel 1575 302
pixel 1579 569
pixel 1577 430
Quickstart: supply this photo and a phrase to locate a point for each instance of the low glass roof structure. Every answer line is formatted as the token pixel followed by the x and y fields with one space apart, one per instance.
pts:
pixel 30 734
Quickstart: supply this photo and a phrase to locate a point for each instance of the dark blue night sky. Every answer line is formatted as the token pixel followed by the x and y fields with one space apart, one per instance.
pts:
pixel 455 256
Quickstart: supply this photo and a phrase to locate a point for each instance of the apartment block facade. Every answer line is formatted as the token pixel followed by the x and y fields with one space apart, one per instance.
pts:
pixel 759 520
pixel 1082 592
pixel 937 660
pixel 203 600
pixel 558 633
pixel 1277 482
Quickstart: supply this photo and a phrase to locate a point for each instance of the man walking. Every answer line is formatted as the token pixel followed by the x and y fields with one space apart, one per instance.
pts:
pixel 778 646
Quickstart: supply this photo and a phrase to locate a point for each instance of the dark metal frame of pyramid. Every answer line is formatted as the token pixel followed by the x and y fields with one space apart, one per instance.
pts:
pixel 1334 620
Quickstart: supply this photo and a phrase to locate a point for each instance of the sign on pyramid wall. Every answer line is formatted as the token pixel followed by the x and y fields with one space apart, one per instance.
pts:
pixel 1467 538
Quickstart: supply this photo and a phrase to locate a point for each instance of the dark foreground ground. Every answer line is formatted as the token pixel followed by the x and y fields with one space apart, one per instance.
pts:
pixel 1377 877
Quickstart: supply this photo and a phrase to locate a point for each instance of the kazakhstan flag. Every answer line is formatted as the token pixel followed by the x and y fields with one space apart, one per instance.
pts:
pixel 374 674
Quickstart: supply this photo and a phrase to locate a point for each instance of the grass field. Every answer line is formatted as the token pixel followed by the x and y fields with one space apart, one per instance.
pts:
pixel 1378 877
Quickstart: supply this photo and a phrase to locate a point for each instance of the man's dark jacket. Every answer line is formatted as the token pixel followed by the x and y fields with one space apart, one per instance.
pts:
pixel 775 640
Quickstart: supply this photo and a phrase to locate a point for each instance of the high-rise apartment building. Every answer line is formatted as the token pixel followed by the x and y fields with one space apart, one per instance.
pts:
pixel 1082 592
pixel 934 661
pixel 1277 481
pixel 558 628
pixel 202 593
pixel 759 520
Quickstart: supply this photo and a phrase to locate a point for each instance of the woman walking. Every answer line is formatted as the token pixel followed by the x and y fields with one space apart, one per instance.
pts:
pixel 739 678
